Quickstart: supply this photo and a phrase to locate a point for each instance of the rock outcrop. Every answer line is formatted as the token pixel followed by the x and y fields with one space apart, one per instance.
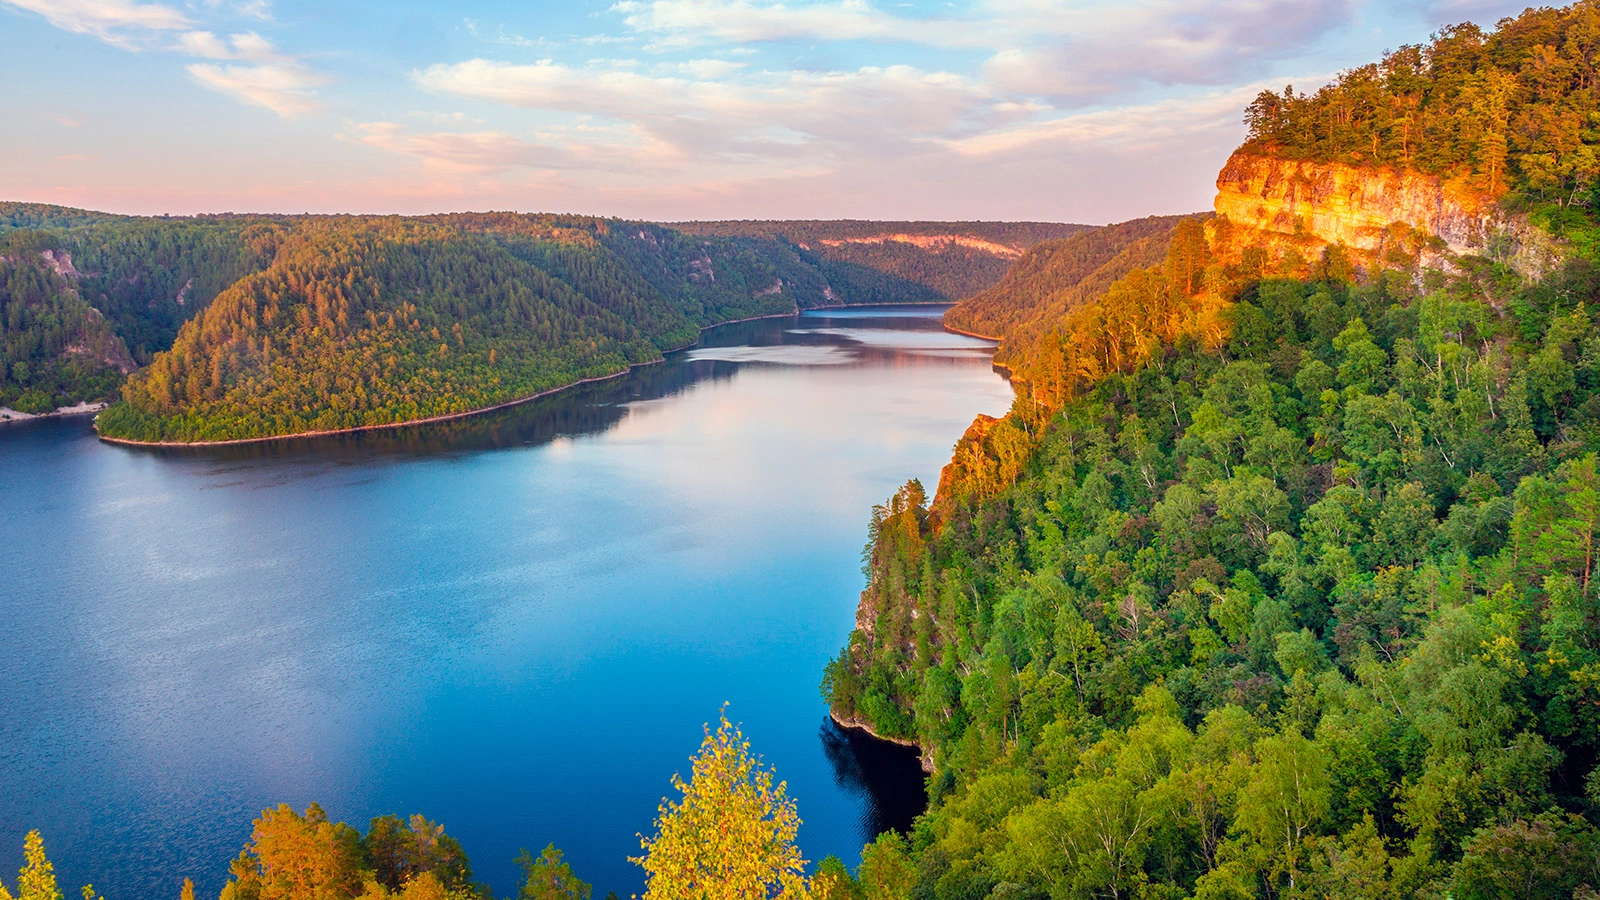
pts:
pixel 1294 209
pixel 937 243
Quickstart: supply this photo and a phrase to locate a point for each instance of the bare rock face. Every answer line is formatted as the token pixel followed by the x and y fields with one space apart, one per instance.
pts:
pixel 60 262
pixel 1392 216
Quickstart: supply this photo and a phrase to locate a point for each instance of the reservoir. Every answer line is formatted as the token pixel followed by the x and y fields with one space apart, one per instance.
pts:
pixel 516 624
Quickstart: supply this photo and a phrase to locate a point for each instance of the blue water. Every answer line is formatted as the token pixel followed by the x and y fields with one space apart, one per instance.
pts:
pixel 516 624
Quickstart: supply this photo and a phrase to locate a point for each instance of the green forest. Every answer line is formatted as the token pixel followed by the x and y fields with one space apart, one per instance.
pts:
pixel 53 345
pixel 1270 587
pixel 862 264
pixel 1054 277
pixel 253 326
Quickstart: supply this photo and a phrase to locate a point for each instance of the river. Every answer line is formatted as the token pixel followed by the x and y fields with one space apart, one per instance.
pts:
pixel 516 624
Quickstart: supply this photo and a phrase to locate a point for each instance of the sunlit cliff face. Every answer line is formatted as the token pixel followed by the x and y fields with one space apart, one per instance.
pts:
pixel 1380 215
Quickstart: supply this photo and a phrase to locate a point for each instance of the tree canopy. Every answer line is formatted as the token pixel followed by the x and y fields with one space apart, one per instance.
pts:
pixel 730 836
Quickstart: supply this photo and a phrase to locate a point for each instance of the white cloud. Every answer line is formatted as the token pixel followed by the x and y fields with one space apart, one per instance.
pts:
pixel 706 69
pixel 256 71
pixel 1144 126
pixel 709 121
pixel 254 9
pixel 261 74
pixel 1082 51
pixel 248 47
pixel 287 88
pixel 488 151
pixel 203 44
pixel 249 9
pixel 1089 55
pixel 682 22
pixel 777 115
pixel 120 22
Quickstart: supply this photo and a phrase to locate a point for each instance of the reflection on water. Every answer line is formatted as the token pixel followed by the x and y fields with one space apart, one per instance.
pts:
pixel 516 623
pixel 887 777
pixel 892 338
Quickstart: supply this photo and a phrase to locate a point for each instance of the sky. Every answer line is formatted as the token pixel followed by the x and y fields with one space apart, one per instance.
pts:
pixel 1055 110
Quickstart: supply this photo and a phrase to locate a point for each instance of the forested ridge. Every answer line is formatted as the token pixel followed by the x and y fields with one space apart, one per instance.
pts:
pixel 883 262
pixel 373 321
pixel 250 326
pixel 1266 587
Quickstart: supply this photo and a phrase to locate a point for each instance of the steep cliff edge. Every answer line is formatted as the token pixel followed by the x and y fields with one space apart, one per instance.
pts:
pixel 1293 210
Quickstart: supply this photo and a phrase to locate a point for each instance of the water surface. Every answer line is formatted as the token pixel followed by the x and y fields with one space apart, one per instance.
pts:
pixel 516 623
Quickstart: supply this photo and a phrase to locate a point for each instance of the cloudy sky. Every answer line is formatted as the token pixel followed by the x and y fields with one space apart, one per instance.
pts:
pixel 1061 110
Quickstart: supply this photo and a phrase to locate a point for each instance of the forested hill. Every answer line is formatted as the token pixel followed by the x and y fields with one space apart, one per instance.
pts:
pixel 873 262
pixel 1054 277
pixel 250 326
pixel 1279 587
pixel 370 321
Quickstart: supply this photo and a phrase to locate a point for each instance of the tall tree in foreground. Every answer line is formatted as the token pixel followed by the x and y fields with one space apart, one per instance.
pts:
pixel 295 857
pixel 731 836
pixel 549 877
pixel 37 880
pixel 401 851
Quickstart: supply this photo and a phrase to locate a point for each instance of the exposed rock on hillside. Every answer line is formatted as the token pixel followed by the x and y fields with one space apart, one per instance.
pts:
pixel 1292 210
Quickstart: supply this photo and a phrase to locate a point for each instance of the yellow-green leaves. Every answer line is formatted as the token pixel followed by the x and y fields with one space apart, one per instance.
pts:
pixel 731 835
pixel 549 877
pixel 37 880
pixel 295 857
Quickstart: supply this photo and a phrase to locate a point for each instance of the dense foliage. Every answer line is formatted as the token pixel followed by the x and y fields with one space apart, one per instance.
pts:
pixel 43 216
pixel 149 276
pixel 371 321
pixel 1513 110
pixel 900 262
pixel 55 349
pixel 91 295
pixel 730 836
pixel 1307 614
pixel 1056 277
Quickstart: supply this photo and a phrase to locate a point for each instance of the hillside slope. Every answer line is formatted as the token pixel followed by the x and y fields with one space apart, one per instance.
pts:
pixel 372 321
pixel 1279 581
pixel 1054 277
pixel 52 343
pixel 892 262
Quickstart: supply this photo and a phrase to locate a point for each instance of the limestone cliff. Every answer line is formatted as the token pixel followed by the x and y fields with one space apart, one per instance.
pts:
pixel 1294 209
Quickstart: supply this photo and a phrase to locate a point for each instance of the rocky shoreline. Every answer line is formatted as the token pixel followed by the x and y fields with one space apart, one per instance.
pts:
pixel 7 414
pixel 924 754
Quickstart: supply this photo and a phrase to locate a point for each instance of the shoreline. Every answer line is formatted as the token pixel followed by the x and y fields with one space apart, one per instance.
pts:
pixel 1002 368
pixel 970 334
pixel 448 417
pixel 8 415
pixel 923 755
